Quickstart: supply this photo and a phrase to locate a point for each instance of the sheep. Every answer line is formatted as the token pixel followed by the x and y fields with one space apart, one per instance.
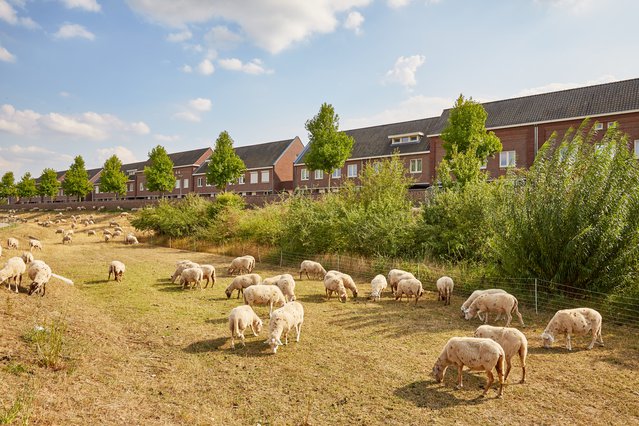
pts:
pixel 252 265
pixel 475 295
pixel 264 295
pixel 107 232
pixel 445 289
pixel 68 232
pixel 114 224
pixel 335 283
pixel 27 257
pixel 59 231
pixel 13 269
pixel 191 275
pixel 208 273
pixel 117 234
pixel 181 267
pixel 242 282
pixel 35 244
pixel 91 232
pixel 577 321
pixel 12 243
pixel 315 269
pixel 409 287
pixel 107 238
pixel 347 280
pixel 497 302
pixel 378 284
pixel 395 276
pixel 116 268
pixel 289 316
pixel 240 265
pixel 512 341
pixel 131 239
pixel 286 284
pixel 118 228
pixel 476 353
pixel 66 239
pixel 240 318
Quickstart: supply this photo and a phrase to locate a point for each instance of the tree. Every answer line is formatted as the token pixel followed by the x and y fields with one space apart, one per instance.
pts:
pixel 49 183
pixel 159 173
pixel 7 186
pixel 225 166
pixel 26 188
pixel 76 179
pixel 329 148
pixel 112 178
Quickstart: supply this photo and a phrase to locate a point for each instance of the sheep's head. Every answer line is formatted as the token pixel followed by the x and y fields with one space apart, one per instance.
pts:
pixel 548 339
pixel 257 325
pixel 274 343
pixel 37 288
pixel 470 313
pixel 228 293
pixel 438 372
pixel 420 292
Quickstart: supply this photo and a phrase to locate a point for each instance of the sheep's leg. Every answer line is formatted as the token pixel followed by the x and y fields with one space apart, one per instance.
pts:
pixel 199 284
pixel 459 376
pixel 508 367
pixel 207 282
pixel 601 343
pixel 243 342
pixel 509 318
pixel 485 317
pixel 44 289
pixel 568 342
pixel 299 331
pixel 491 379
pixel 521 320
pixel 522 361
pixel 239 290
pixel 232 341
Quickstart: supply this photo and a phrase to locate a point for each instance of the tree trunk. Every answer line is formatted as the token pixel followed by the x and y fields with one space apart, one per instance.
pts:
pixel 329 182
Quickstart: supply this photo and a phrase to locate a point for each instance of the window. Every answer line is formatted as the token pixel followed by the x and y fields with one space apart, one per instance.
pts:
pixel 337 173
pixel 484 165
pixel 265 176
pixel 141 186
pixel 177 183
pixel 130 186
pixel 319 175
pixel 186 184
pixel 240 180
pixel 612 124
pixel 377 166
pixel 507 159
pixel 199 182
pixel 253 177
pixel 416 165
pixel 131 172
pixel 406 138
pixel 97 189
pixel 352 170
pixel 598 126
pixel 304 174
pixel 637 148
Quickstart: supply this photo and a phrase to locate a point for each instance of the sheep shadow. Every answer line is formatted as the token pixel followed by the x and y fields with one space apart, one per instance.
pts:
pixel 93 282
pixel 435 396
pixel 315 298
pixel 255 346
pixel 222 320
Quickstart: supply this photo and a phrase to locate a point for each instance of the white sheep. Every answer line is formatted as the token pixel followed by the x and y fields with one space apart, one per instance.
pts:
pixel 409 287
pixel 67 239
pixel 378 284
pixel 181 266
pixel 315 269
pixel 395 276
pixel 13 269
pixel 496 302
pixel 107 238
pixel 283 320
pixel 445 287
pixel 512 341
pixel 241 282
pixel 40 274
pixel 116 268
pixel 91 232
pixel 59 231
pixel 475 295
pixel 241 265
pixel 12 243
pixel 264 295
pixel 208 273
pixel 35 244
pixel 131 239
pixel 117 234
pixel 286 284
pixel 347 280
pixel 107 232
pixel 577 321
pixel 27 257
pixel 191 275
pixel 476 353
pixel 240 318
pixel 335 283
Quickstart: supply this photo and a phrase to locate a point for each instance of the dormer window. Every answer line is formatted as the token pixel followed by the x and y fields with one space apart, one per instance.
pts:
pixel 131 172
pixel 406 138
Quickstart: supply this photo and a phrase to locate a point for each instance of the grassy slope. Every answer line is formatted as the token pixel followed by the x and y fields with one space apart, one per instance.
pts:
pixel 144 351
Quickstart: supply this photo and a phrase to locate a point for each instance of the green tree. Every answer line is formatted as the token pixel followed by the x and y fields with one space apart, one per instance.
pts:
pixel 49 184
pixel 159 173
pixel 329 148
pixel 76 179
pixel 26 188
pixel 225 166
pixel 8 186
pixel 112 178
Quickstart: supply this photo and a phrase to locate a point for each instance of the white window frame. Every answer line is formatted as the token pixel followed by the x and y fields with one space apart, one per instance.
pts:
pixel 240 180
pixel 598 126
pixel 265 176
pixel 97 189
pixel 141 186
pixel 199 182
pixel 611 124
pixel 253 177
pixel 319 174
pixel 349 170
pixel 337 174
pixel 636 148
pixel 186 183
pixel 304 174
pixel 507 159
pixel 416 161
pixel 130 187
pixel 484 165
pixel 177 183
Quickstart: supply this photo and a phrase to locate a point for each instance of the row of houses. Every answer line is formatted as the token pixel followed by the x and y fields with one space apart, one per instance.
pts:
pixel 523 124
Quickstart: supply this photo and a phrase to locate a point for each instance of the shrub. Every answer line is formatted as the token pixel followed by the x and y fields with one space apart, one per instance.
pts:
pixel 180 218
pixel 48 341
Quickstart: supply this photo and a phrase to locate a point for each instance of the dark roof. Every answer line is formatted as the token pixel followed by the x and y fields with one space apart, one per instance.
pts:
pixel 374 142
pixel 587 101
pixel 93 172
pixel 184 158
pixel 256 156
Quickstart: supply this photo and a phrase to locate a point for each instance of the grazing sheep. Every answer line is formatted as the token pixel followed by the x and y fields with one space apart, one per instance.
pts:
pixel 67 239
pixel 117 234
pixel 286 284
pixel 107 238
pixel 208 273
pixel 131 239
pixel 240 283
pixel 289 316
pixel 240 318
pixel 445 289
pixel 395 276
pixel 512 341
pixel 252 259
pixel 347 281
pixel 118 228
pixel 69 232
pixel 315 269
pixel 264 295
pixel 191 275
pixel 59 231
pixel 116 268
pixel 577 321
pixel 409 287
pixel 39 274
pixel 91 232
pixel 35 244
pixel 181 266
pixel 13 269
pixel 496 302
pixel 476 353
pixel 475 295
pixel 27 257
pixel 12 243
pixel 241 265
pixel 107 232
pixel 114 224
pixel 335 283
pixel 378 284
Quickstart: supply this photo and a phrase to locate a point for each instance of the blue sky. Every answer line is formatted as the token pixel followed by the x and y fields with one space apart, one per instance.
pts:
pixel 97 77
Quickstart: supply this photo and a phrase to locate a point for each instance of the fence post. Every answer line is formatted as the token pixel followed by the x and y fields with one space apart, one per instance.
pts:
pixel 280 258
pixel 536 311
pixel 338 262
pixel 170 246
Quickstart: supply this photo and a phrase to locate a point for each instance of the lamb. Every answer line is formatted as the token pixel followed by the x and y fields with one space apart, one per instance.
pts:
pixel 577 321
pixel 131 239
pixel 289 316
pixel 92 232
pixel 116 268
pixel 107 238
pixel 240 318
pixel 498 302
pixel 116 234
pixel 476 353
pixel 241 265
pixel 12 243
pixel 27 257
pixel 67 239
pixel 512 341
pixel 242 282
pixel 35 244
pixel 208 273
pixel 264 295
pixel 13 269
pixel 378 284
pixel 313 268
pixel 59 231
pixel 286 284
pixel 475 295
pixel 191 275
pixel 347 280
pixel 445 288
pixel 409 287
pixel 335 283
pixel 395 276
pixel 181 266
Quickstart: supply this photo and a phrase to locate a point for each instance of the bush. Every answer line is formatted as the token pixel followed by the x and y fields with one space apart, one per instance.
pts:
pixel 180 218
pixel 48 341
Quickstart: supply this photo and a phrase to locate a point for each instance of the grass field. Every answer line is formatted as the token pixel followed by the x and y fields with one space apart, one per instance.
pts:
pixel 145 352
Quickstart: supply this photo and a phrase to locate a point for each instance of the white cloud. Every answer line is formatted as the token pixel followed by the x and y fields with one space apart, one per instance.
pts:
pixel 254 67
pixel 88 5
pixel 179 37
pixel 200 104
pixel 404 70
pixel 9 15
pixel 221 37
pixel 166 138
pixel 74 31
pixel 187 69
pixel 193 110
pixel 64 94
pixel 206 67
pixel 191 116
pixel 575 7
pixel 354 22
pixel 396 4
pixel 124 154
pixel 553 87
pixel 22 158
pixel 413 108
pixel 271 25
pixel 6 56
